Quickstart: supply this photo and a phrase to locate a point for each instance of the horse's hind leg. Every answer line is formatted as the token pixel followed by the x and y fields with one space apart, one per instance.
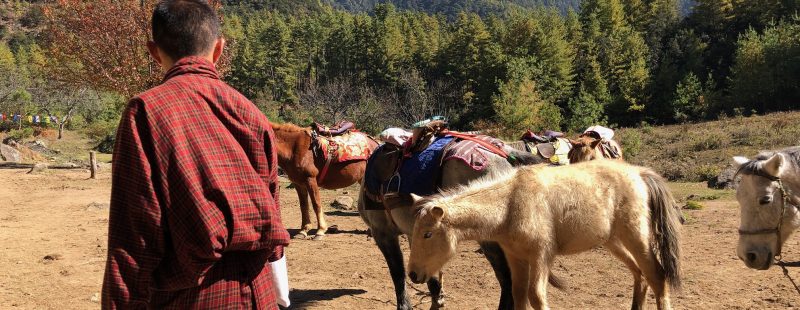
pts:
pixel 494 254
pixel 305 213
pixel 389 245
pixel 651 269
pixel 639 286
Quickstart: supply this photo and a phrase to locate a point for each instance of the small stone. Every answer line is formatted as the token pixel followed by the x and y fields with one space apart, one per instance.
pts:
pixel 97 206
pixel 52 257
pixel 95 297
pixel 343 203
pixel 38 168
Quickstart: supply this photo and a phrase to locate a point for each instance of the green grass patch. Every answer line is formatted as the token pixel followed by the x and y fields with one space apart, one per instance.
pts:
pixel 693 205
pixel 698 191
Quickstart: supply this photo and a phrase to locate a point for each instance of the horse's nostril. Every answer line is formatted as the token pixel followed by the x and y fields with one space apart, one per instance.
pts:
pixel 412 275
pixel 751 257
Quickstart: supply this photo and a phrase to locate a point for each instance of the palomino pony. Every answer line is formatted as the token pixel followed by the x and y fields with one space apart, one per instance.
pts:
pixel 296 157
pixel 536 213
pixel 770 206
pixel 588 147
pixel 387 226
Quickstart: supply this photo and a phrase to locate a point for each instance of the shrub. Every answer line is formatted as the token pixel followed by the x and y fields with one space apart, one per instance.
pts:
pixel 631 142
pixel 708 142
pixel 107 144
pixel 99 130
pixel 21 134
pixel 706 172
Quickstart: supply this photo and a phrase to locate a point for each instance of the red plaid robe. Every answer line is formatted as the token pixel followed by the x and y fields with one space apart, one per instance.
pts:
pixel 194 198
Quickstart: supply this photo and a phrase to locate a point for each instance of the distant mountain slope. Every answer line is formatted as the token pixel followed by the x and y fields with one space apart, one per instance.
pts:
pixel 453 7
pixel 449 8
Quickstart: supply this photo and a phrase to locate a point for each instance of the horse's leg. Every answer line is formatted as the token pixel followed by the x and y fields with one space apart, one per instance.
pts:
pixel 313 192
pixel 539 272
pixel 639 248
pixel 497 259
pixel 389 245
pixel 639 286
pixel 305 213
pixel 520 273
pixel 435 287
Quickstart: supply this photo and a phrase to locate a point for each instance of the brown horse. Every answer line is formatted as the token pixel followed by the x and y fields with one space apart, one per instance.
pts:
pixel 589 147
pixel 297 158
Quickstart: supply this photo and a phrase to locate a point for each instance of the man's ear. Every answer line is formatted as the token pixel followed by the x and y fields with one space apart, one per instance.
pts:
pixel 219 47
pixel 152 48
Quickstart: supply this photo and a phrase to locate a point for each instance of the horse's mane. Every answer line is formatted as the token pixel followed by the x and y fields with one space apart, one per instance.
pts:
pixel 756 165
pixel 477 186
pixel 288 127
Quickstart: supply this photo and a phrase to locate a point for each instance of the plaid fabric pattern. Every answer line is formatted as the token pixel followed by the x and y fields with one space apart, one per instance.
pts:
pixel 194 213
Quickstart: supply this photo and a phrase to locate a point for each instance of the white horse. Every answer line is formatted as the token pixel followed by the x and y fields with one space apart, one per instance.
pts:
pixel 536 213
pixel 768 196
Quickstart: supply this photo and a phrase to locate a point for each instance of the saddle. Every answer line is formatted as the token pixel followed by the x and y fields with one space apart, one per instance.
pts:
pixel 544 137
pixel 339 129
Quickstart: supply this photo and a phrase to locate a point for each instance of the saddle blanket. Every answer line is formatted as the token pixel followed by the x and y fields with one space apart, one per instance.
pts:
pixel 347 147
pixel 418 173
pixel 472 153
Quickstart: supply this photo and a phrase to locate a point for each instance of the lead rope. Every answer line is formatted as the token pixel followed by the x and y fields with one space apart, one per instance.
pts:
pixel 779 257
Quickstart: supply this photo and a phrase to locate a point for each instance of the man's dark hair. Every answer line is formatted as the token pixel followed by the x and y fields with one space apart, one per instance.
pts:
pixel 183 28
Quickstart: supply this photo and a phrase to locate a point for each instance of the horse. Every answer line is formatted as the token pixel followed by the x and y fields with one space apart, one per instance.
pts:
pixel 296 157
pixel 589 147
pixel 387 226
pixel 770 207
pixel 536 213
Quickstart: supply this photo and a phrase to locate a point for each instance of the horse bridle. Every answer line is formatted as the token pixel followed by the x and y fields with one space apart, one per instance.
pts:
pixel 785 198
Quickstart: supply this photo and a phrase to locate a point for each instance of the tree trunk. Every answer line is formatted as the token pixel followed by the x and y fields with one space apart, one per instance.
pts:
pixel 60 130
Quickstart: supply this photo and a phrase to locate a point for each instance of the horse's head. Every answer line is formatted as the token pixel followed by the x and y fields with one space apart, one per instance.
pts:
pixel 584 148
pixel 432 243
pixel 769 212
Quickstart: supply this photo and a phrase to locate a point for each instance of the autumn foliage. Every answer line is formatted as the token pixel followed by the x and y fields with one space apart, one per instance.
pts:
pixel 101 44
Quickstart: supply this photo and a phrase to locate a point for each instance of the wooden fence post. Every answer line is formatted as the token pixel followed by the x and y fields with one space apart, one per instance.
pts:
pixel 93 163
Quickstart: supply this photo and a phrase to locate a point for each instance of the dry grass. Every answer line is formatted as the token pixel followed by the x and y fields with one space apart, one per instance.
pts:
pixel 698 152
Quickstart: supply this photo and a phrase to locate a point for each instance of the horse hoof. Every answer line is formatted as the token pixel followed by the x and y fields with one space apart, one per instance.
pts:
pixel 318 237
pixel 300 236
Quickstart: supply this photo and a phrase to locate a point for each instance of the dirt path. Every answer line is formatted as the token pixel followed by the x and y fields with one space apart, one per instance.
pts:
pixel 63 216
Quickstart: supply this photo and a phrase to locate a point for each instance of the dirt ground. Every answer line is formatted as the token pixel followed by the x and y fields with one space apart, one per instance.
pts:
pixel 53 230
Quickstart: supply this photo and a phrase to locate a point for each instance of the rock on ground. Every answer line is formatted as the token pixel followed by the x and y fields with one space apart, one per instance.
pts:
pixel 726 179
pixel 343 203
pixel 10 154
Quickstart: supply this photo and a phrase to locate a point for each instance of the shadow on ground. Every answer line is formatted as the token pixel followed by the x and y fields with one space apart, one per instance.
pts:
pixel 302 299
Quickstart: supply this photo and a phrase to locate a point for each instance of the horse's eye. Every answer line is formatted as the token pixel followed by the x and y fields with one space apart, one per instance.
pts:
pixel 765 200
pixel 428 235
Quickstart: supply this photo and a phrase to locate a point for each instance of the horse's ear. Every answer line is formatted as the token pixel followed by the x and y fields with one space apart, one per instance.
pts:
pixel 415 198
pixel 595 143
pixel 774 165
pixel 738 161
pixel 575 143
pixel 437 213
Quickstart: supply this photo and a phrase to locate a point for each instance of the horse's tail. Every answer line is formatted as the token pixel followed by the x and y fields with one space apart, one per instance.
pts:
pixel 665 226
